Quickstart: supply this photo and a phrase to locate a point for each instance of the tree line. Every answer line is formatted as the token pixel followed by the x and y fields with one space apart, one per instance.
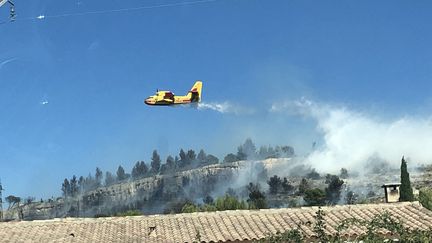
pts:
pixel 184 161
pixel 230 201
pixel 248 151
pixel 313 196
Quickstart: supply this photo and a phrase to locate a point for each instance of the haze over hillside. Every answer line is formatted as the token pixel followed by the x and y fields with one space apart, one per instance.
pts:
pixel 73 85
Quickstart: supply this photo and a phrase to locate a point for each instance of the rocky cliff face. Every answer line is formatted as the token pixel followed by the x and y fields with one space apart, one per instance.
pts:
pixel 36 210
pixel 149 194
pixel 152 194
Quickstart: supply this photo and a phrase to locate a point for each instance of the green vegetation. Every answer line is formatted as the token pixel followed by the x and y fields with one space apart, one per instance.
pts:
pixel 406 192
pixel 226 202
pixel 248 151
pixel 256 199
pixel 303 187
pixel 333 189
pixel 319 197
pixel 12 200
pixel 120 214
pixel 384 221
pixel 128 213
pixel 229 158
pixel 373 231
pixel 286 186
pixel 291 236
pixel 139 170
pixel 320 226
pixel 275 184
pixel 155 162
pixel 230 201
pixel 109 178
pixel 314 197
pixel 425 197
pixel 186 160
pixel 121 175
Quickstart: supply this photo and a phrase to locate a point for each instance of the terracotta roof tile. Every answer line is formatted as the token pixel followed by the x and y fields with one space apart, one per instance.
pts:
pixel 212 226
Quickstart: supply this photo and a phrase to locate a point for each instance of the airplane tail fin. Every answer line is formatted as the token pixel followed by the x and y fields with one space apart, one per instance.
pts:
pixel 195 92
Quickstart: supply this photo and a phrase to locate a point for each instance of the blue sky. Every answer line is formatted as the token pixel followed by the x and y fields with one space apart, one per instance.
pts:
pixel 95 70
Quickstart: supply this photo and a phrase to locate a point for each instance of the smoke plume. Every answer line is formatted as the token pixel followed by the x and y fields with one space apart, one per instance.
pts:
pixel 352 138
pixel 226 107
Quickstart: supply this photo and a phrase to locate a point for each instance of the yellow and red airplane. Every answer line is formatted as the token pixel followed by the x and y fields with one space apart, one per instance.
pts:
pixel 168 97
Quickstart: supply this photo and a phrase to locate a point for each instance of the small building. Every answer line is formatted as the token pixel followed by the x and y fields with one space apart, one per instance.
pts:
pixel 392 192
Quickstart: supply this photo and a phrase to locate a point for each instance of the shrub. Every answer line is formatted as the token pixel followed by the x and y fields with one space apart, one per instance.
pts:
pixel 129 213
pixel 425 197
pixel 314 197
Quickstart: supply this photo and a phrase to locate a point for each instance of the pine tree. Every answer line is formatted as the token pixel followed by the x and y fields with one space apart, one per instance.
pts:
pixel 256 199
pixel 288 151
pixel 275 184
pixel 121 175
pixel 211 159
pixel 183 159
pixel 202 157
pixel 170 163
pixel 406 192
pixel 81 184
pixel 334 188
pixel 286 186
pixel 98 176
pixel 177 163
pixel 304 185
pixel 143 168
pixel 155 162
pixel 314 197
pixel 263 152
pixel 191 156
pixel 66 188
pixel 229 158
pixel 136 173
pixel 74 186
pixel 109 179
pixel 248 149
pixel 241 155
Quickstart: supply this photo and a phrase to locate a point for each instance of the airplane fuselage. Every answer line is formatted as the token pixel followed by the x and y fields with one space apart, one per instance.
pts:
pixel 166 98
pixel 161 100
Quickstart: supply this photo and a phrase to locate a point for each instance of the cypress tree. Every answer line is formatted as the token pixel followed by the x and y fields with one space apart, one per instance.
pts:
pixel 406 192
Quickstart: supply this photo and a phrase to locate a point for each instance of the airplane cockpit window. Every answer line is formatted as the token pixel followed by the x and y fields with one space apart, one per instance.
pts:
pixel 169 95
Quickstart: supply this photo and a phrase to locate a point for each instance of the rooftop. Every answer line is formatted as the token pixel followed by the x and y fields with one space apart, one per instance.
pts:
pixel 239 225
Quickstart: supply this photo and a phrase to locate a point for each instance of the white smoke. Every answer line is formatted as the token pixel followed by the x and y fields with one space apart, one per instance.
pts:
pixel 226 107
pixel 352 138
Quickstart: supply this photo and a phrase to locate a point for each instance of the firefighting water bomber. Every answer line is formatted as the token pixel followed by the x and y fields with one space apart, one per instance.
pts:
pixel 167 98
